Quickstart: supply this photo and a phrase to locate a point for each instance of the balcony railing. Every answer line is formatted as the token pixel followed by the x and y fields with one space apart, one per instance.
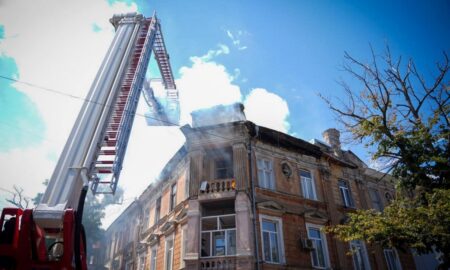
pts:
pixel 222 263
pixel 217 186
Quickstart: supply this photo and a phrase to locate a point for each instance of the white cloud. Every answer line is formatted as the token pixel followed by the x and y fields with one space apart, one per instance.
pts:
pixel 205 84
pixel 236 40
pixel 267 109
pixel 223 49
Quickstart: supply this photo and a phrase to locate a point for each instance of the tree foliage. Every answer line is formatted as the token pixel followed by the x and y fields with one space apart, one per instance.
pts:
pixel 405 117
pixel 422 223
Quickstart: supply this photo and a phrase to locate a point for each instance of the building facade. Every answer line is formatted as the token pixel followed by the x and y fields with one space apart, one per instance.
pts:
pixel 242 196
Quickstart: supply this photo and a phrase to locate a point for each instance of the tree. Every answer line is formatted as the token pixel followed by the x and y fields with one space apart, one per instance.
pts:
pixel 18 198
pixel 405 118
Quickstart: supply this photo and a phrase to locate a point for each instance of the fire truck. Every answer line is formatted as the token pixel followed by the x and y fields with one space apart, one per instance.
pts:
pixel 51 236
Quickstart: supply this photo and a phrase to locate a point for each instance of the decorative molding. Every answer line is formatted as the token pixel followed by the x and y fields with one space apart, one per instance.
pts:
pixel 168 227
pixel 271 205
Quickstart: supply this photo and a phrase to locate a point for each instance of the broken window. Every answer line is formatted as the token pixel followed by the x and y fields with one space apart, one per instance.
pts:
pixel 224 168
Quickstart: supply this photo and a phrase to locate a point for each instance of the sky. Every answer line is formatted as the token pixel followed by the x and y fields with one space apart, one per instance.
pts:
pixel 273 56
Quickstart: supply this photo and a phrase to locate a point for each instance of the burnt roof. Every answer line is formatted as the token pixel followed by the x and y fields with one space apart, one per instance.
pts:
pixel 280 139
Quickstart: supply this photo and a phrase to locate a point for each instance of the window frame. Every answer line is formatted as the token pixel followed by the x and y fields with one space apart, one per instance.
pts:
pixel 226 234
pixel 146 218
pixel 157 210
pixel 173 196
pixel 227 169
pixel 170 238
pixel 265 183
pixel 183 245
pixel 303 183
pixel 365 257
pixel 279 222
pixel 153 259
pixel 142 258
pixel 398 265
pixel 345 185
pixel 377 204
pixel 324 244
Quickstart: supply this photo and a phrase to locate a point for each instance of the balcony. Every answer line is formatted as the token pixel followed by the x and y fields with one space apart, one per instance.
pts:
pixel 219 188
pixel 223 263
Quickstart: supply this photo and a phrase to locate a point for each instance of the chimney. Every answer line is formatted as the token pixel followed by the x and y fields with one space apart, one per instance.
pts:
pixel 331 136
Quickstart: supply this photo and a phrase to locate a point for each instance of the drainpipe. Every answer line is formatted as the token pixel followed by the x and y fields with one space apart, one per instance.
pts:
pixel 253 196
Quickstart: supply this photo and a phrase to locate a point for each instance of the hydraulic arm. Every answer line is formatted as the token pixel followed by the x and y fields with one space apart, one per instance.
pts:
pixel 51 235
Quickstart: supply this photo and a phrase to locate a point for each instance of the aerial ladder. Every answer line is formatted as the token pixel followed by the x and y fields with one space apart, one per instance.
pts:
pixel 51 235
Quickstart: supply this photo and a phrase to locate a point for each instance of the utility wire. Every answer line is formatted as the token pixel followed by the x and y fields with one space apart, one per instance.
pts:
pixel 54 91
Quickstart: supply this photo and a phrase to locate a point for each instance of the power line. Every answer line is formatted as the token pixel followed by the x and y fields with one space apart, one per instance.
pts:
pixel 54 91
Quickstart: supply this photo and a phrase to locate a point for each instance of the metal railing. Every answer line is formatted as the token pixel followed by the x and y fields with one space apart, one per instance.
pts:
pixel 217 186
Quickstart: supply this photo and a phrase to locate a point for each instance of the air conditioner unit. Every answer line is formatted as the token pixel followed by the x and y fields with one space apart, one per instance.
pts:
pixel 307 244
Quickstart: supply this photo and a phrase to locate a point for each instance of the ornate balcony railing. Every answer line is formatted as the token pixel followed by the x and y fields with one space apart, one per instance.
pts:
pixel 217 186
pixel 218 263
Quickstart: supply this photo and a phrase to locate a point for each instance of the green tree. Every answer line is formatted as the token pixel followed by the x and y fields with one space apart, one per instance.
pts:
pixel 404 117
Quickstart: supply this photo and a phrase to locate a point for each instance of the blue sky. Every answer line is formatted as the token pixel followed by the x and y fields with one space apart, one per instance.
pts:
pixel 295 48
pixel 289 50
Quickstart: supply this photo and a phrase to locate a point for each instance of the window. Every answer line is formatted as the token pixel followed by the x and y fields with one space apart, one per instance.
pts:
pixel 145 218
pixel 346 194
pixel 359 254
pixel 319 254
pixel 173 196
pixel 265 174
pixel 376 200
pixel 218 236
pixel 157 210
pixel 392 261
pixel 272 237
pixel 388 197
pixel 169 253
pixel 224 168
pixel 183 246
pixel 153 255
pixel 308 186
pixel 141 261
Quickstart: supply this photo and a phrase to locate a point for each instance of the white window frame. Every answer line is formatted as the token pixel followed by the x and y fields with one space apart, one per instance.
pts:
pixel 358 244
pixel 166 250
pixel 157 213
pixel 183 245
pixel 153 250
pixel 279 223
pixel 396 265
pixel 263 172
pixel 304 182
pixel 146 218
pixel 141 260
pixel 324 243
pixel 346 193
pixel 226 231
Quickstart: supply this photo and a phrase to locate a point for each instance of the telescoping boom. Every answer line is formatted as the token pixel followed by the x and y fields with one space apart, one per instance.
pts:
pixel 51 235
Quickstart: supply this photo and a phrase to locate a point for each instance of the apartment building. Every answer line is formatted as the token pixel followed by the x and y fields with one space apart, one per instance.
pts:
pixel 242 196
